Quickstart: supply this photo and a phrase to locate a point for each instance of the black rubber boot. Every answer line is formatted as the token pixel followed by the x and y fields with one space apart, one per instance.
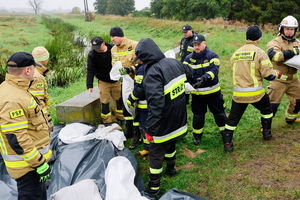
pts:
pixel 227 140
pixel 266 128
pixel 154 185
pixel 128 129
pixel 197 139
pixel 136 138
pixel 170 169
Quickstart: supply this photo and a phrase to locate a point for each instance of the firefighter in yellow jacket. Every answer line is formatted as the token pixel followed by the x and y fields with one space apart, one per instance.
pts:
pixel 124 51
pixel 280 49
pixel 39 87
pixel 250 66
pixel 24 131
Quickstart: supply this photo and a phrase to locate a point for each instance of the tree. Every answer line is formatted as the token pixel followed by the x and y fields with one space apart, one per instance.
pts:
pixel 100 6
pixel 36 5
pixel 76 10
pixel 116 7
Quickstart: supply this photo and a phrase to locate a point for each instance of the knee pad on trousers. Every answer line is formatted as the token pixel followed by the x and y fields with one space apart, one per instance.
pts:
pixel 220 119
pixel 297 107
pixel 105 108
pixel 274 107
pixel 198 121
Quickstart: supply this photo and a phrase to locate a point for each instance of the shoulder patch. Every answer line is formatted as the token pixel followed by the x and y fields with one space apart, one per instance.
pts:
pixel 16 113
pixel 40 85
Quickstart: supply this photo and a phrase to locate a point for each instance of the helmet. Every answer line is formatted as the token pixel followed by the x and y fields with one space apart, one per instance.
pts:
pixel 288 22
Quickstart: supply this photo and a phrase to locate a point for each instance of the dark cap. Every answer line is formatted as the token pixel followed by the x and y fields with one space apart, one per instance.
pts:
pixel 116 31
pixel 198 38
pixel 96 43
pixel 185 28
pixel 21 59
pixel 253 33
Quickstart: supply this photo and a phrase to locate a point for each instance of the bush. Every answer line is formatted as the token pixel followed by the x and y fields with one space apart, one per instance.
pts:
pixel 2 68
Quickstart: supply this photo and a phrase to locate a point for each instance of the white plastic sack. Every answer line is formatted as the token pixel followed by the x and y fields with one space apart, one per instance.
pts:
pixel 188 88
pixel 115 71
pixel 73 132
pixel 170 54
pixel 294 62
pixel 83 190
pixel 119 180
pixel 127 88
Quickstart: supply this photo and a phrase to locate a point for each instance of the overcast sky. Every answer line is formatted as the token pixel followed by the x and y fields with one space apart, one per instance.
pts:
pixel 61 4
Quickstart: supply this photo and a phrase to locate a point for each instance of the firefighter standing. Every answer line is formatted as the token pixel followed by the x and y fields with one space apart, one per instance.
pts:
pixel 205 64
pixel 124 51
pixel 39 87
pixel 167 116
pixel 186 43
pixel 24 132
pixel 99 65
pixel 250 66
pixel 280 49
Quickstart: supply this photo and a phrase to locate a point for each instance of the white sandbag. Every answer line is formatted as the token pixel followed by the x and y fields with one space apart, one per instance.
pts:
pixel 127 88
pixel 83 190
pixel 115 71
pixel 119 180
pixel 170 54
pixel 188 88
pixel 294 62
pixel 73 132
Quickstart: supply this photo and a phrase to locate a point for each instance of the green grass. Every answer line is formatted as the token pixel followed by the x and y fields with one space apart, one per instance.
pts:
pixel 256 169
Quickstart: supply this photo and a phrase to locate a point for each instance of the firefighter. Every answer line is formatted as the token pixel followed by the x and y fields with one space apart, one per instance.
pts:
pixel 167 115
pixel 39 87
pixel 186 43
pixel 280 49
pixel 137 97
pixel 24 131
pixel 124 51
pixel 99 65
pixel 250 66
pixel 205 64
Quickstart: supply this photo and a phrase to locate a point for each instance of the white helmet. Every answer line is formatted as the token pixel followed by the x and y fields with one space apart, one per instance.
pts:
pixel 288 22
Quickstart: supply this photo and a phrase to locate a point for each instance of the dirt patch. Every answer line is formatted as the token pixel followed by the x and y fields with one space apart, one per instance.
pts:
pixel 189 165
pixel 190 154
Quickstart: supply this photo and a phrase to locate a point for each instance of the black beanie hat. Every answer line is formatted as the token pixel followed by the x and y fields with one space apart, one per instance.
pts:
pixel 116 31
pixel 253 33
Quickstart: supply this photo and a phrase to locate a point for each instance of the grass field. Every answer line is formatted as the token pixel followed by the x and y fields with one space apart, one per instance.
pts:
pixel 256 169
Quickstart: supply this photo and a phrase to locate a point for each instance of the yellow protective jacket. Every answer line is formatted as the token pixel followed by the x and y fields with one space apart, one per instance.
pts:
pixel 24 132
pixel 124 53
pixel 39 89
pixel 250 65
pixel 279 44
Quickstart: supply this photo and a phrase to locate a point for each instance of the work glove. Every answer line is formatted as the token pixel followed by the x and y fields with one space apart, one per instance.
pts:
pixel 148 137
pixel 201 81
pixel 291 53
pixel 130 102
pixel 44 172
pixel 125 70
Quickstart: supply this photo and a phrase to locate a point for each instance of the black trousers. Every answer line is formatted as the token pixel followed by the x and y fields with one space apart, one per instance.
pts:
pixel 29 187
pixel 238 109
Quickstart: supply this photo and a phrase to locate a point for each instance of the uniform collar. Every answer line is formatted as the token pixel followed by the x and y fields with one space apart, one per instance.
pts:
pixel 123 43
pixel 251 42
pixel 42 69
pixel 19 82
pixel 287 39
pixel 201 54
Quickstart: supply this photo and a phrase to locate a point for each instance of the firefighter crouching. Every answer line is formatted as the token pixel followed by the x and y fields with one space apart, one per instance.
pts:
pixel 280 49
pixel 24 132
pixel 39 87
pixel 250 66
pixel 205 64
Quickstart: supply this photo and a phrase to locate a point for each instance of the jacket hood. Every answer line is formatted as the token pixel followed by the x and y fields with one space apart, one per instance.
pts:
pixel 148 51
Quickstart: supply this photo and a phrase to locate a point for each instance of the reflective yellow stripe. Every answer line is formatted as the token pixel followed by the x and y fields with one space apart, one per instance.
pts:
pixel 233 73
pixel 211 74
pixel 128 118
pixel 252 72
pixel 198 131
pixel 119 111
pixel 41 59
pixel 276 56
pixel 156 171
pixel 291 116
pixel 136 124
pixel 118 54
pixel 142 106
pixel 154 188
pixel 106 115
pixel 232 128
pixel 267 62
pixel 198 66
pixel 138 79
pixel 2 145
pixel 174 134
pixel 170 155
pixel 30 155
pixel 16 164
pixel 37 93
pixel 32 103
pixel 207 92
pixel 215 61
pixel 14 126
pixel 145 141
pixel 283 77
pixel 267 116
pixel 48 155
pixel 221 128
pixel 45 110
pixel 184 62
pixel 248 94
pixel 133 97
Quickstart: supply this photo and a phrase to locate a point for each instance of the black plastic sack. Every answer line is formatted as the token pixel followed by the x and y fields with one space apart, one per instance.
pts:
pixel 175 194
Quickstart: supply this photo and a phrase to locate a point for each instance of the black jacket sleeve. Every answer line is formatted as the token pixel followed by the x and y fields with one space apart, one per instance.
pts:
pixel 154 88
pixel 90 72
